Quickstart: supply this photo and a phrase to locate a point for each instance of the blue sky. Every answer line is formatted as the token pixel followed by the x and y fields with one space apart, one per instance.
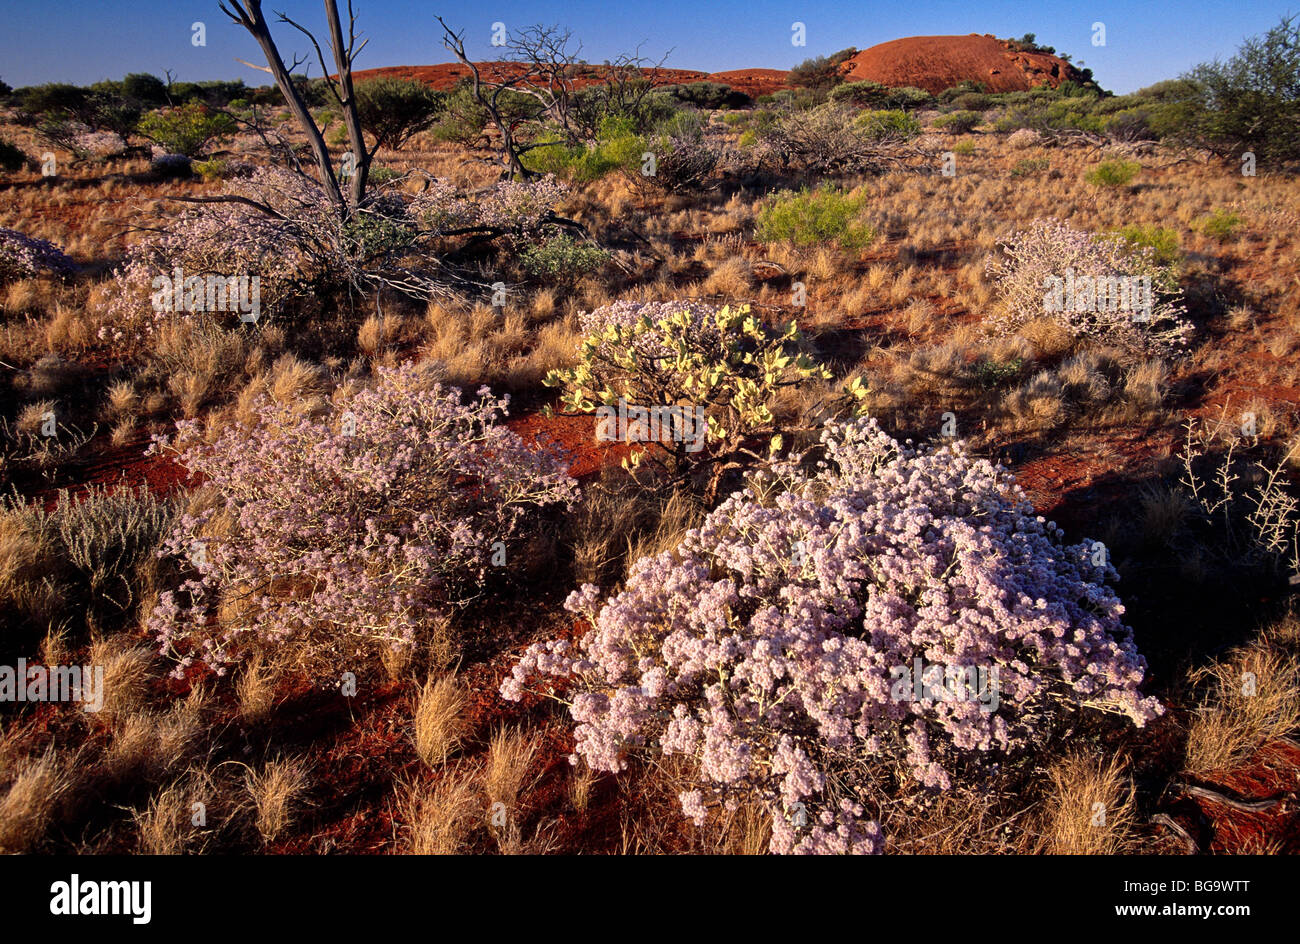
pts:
pixel 86 40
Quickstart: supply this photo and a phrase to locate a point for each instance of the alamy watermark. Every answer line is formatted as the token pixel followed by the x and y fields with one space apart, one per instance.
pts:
pixel 946 683
pixel 661 424
pixel 1099 293
pixel 178 292
pixel 39 683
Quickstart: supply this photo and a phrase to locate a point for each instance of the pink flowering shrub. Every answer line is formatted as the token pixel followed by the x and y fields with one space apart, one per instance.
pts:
pixel 517 207
pixel 23 256
pixel 282 227
pixel 340 532
pixel 1033 259
pixel 766 647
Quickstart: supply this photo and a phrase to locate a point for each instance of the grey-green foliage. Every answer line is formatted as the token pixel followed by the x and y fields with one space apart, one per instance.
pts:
pixel 90 558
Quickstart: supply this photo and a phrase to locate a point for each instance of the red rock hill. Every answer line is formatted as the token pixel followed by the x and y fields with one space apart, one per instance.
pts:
pixel 935 63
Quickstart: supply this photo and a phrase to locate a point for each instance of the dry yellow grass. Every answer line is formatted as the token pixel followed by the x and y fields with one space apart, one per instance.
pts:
pixel 34 793
pixel 1091 809
pixel 275 791
pixel 442 817
pixel 438 725
pixel 1254 699
pixel 255 690
pixel 511 752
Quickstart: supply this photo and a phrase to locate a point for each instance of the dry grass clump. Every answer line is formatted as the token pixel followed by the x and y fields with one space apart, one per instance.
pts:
pixel 36 788
pixel 1253 700
pixel 439 726
pixel 442 818
pixel 181 817
pixel 510 757
pixel 255 690
pixel 276 790
pixel 1091 809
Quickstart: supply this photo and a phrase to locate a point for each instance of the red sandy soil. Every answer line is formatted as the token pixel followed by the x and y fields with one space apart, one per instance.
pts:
pixel 935 63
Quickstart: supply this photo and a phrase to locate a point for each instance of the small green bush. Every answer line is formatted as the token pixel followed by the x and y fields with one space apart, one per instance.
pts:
pixel 1113 173
pixel 964 147
pixel 378 176
pixel 562 259
pixel 1163 243
pixel 958 122
pixel 186 129
pixel 617 147
pixel 894 123
pixel 1221 225
pixel 810 218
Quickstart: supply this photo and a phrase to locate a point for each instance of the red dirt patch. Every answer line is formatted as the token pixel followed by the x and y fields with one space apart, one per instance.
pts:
pixel 935 63
pixel 575 435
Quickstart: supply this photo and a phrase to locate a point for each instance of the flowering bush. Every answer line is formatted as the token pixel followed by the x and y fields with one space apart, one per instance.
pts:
pixel 1036 262
pixel 348 529
pixel 725 364
pixel 767 646
pixel 1024 138
pixel 23 256
pixel 518 207
pixel 282 227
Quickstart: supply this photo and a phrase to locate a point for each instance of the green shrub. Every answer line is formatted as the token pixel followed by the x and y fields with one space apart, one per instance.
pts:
pixel 810 218
pixel 1113 173
pixel 865 94
pixel 958 122
pixel 382 175
pixel 562 259
pixel 727 364
pixel 186 129
pixel 820 72
pixel 882 125
pixel 965 147
pixel 394 110
pixel 211 170
pixel 909 97
pixel 617 147
pixel 973 101
pixel 1221 225
pixel 1163 243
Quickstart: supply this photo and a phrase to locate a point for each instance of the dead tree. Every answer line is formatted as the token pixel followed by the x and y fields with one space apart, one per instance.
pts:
pixel 248 14
pixel 542 66
pixel 494 100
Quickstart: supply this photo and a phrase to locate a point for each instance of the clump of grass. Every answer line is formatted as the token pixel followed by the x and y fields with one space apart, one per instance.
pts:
pixel 1254 699
pixel 1029 166
pixel 275 791
pixel 1113 173
pixel 814 217
pixel 442 818
pixel 1091 809
pixel 438 721
pixel 1221 225
pixel 29 803
pixel 99 548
